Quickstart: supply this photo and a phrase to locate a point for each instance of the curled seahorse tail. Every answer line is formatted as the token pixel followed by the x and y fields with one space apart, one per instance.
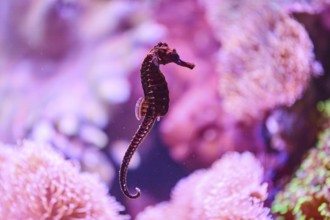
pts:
pixel 137 139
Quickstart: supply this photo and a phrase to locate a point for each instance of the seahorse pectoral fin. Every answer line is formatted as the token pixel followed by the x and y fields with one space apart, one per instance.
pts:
pixel 141 107
pixel 138 107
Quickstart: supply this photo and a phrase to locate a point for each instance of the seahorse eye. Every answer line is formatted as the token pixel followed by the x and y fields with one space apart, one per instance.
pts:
pixel 174 56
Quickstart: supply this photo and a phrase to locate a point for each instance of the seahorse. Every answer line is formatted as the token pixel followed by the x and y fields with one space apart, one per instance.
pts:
pixel 153 105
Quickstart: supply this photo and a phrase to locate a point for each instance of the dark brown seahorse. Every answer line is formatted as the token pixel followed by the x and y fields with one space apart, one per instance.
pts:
pixel 153 105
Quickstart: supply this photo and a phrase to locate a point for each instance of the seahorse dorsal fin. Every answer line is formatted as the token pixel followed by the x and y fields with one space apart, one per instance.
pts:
pixel 141 107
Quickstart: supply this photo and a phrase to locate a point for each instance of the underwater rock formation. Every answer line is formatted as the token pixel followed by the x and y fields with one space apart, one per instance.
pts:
pixel 198 131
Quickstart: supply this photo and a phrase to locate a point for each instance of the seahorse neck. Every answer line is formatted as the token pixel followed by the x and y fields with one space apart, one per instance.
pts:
pixel 148 66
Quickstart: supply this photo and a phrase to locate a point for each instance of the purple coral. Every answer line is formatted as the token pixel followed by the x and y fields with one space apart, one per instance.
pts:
pixel 37 183
pixel 231 189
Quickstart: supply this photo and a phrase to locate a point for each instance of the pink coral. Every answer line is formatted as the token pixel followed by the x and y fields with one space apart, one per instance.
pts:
pixel 266 59
pixel 230 189
pixel 37 183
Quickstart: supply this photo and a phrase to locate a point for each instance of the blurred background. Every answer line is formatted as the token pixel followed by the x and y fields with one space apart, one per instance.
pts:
pixel 70 77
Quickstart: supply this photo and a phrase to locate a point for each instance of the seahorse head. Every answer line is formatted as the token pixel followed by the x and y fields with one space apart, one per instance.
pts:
pixel 167 55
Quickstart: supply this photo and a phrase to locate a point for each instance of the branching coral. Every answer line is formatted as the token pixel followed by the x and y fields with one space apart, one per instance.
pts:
pixel 230 189
pixel 266 59
pixel 307 194
pixel 37 183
